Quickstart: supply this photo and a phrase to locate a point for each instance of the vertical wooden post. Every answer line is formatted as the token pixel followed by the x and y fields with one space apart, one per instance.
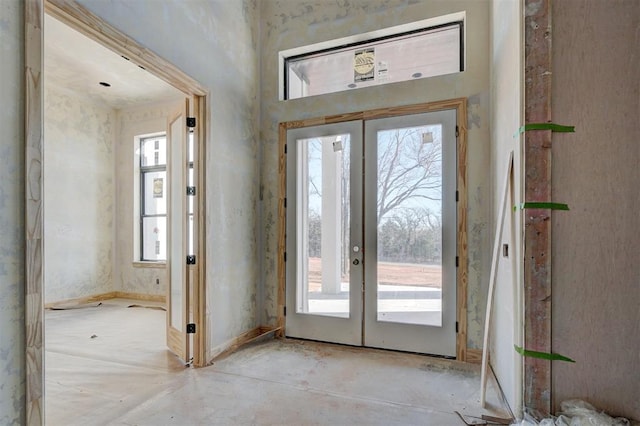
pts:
pixel 537 223
pixel 33 17
pixel 282 224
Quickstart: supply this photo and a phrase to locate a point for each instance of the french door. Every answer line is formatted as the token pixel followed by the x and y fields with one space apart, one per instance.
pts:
pixel 371 233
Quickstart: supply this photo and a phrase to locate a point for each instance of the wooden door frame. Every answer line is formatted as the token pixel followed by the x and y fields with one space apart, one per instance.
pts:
pixel 460 105
pixel 90 25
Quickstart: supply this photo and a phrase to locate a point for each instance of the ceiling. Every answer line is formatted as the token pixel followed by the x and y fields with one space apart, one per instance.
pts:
pixel 78 64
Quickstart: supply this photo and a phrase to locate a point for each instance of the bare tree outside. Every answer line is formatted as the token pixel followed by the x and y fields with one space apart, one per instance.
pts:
pixel 409 167
pixel 409 173
pixel 409 195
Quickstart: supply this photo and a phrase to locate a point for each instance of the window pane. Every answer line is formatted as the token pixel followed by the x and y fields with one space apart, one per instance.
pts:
pixel 405 57
pixel 323 182
pixel 410 225
pixel 154 245
pixel 153 151
pixel 155 193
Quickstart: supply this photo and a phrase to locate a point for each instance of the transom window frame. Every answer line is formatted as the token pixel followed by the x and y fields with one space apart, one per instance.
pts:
pixel 367 38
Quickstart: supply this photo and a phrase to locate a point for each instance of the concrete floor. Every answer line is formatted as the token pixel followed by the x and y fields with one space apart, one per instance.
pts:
pixel 125 376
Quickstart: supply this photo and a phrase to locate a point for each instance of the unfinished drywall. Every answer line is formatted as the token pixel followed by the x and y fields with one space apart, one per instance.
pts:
pixel 595 261
pixel 132 276
pixel 79 199
pixel 506 115
pixel 12 243
pixel 289 24
pixel 216 43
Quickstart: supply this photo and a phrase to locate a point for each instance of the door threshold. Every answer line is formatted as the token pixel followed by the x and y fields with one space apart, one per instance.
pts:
pixel 372 348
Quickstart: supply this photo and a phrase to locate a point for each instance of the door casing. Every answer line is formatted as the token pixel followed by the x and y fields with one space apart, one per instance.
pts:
pixel 458 104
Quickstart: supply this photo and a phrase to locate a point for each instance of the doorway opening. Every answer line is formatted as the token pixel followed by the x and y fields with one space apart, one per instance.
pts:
pixel 184 287
pixel 374 213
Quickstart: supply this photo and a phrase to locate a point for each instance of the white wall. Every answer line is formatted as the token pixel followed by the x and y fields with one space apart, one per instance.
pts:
pixel 215 42
pixel 294 23
pixel 12 231
pixel 135 121
pixel 506 117
pixel 596 255
pixel 79 198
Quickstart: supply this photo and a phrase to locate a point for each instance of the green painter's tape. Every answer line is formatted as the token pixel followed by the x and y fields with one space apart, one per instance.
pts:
pixel 543 205
pixel 542 355
pixel 546 126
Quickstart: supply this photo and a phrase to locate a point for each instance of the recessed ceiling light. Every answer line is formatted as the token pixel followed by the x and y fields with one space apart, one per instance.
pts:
pixel 104 83
pixel 416 75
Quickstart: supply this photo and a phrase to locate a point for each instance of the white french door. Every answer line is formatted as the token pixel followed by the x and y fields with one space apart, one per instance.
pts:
pixel 371 233
pixel 324 222
pixel 410 232
pixel 178 244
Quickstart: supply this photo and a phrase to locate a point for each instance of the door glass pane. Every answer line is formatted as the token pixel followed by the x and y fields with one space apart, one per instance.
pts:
pixel 178 225
pixel 409 207
pixel 323 226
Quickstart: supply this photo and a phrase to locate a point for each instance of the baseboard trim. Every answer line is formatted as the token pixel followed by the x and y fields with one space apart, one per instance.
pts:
pixel 232 345
pixel 140 296
pixel 474 356
pixel 77 301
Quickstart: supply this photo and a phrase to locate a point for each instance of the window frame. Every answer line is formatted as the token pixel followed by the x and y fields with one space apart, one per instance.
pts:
pixel 336 45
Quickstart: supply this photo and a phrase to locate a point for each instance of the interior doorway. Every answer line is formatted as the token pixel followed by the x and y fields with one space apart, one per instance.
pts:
pixel 190 278
pixel 372 231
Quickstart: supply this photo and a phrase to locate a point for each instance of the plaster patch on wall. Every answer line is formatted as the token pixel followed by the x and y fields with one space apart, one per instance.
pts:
pixel 532 8
pixel 79 199
pixel 286 16
pixel 474 109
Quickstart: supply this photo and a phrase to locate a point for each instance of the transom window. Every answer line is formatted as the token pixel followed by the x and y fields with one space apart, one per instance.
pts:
pixel 153 198
pixel 402 56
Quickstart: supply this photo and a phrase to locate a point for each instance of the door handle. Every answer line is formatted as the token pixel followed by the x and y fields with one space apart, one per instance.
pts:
pixel 356 262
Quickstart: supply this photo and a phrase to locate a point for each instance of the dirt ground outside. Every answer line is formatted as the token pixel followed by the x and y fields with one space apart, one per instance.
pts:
pixel 389 273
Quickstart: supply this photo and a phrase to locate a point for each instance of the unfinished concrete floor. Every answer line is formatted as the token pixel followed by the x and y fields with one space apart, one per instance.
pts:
pixel 125 376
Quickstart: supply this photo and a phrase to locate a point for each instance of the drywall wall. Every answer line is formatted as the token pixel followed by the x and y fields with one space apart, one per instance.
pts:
pixel 506 114
pixel 79 198
pixel 216 43
pixel 132 276
pixel 12 243
pixel 289 24
pixel 595 261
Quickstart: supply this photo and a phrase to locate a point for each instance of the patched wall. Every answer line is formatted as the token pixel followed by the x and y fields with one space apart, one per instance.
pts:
pixel 288 24
pixel 79 198
pixel 506 117
pixel 216 43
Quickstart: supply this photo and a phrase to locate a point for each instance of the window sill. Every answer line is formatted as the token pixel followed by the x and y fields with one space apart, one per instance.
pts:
pixel 149 264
